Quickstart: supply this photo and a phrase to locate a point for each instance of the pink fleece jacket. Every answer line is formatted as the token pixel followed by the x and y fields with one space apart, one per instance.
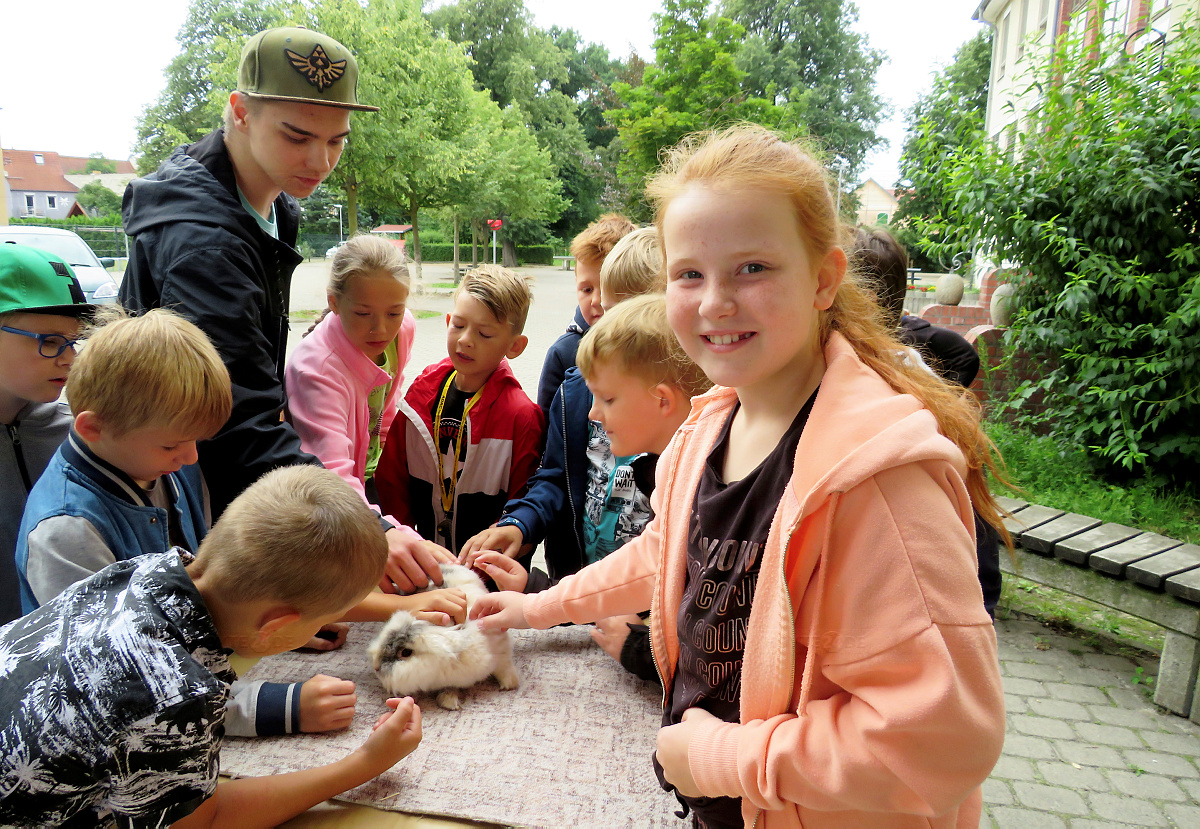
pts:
pixel 328 381
pixel 871 691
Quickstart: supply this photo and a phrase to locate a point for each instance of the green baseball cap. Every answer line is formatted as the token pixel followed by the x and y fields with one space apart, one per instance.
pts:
pixel 292 63
pixel 35 282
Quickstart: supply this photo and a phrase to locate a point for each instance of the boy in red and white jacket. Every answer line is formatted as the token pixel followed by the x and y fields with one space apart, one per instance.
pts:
pixel 468 436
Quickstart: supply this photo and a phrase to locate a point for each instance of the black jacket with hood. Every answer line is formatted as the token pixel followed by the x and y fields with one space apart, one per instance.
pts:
pixel 196 249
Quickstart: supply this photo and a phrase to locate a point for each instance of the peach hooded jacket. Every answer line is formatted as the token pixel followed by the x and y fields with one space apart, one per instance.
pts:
pixel 871 691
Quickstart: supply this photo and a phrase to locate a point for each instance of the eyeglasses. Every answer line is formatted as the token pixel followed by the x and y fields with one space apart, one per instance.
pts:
pixel 49 345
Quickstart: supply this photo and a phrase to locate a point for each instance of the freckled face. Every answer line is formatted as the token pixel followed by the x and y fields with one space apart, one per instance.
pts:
pixel 743 293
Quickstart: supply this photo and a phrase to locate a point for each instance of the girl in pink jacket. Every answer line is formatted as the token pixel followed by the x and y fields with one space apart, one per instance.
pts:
pixel 343 382
pixel 815 613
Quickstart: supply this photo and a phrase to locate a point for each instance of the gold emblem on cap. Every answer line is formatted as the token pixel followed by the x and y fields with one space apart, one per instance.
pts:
pixel 317 68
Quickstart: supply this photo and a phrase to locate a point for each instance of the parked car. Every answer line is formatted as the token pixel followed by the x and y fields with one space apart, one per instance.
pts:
pixel 97 283
pixel 329 253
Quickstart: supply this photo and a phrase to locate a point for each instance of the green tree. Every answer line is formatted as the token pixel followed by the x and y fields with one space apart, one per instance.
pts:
pixel 98 200
pixel 520 65
pixel 942 125
pixel 806 55
pixel 694 84
pixel 97 163
pixel 1099 202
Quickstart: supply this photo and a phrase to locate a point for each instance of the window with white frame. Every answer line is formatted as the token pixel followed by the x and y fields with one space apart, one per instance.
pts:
pixel 1022 15
pixel 1044 15
pixel 1002 54
pixel 29 203
pixel 38 158
pixel 51 202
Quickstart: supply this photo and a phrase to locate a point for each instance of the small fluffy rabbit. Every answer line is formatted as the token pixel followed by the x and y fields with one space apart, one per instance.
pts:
pixel 412 655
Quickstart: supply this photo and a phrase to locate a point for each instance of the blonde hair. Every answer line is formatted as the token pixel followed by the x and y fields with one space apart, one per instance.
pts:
pixel 299 535
pixel 634 266
pixel 636 335
pixel 752 157
pixel 594 242
pixel 364 255
pixel 503 292
pixel 157 369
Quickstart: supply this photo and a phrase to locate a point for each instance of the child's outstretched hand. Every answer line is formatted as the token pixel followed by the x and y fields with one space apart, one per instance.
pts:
pixel 507 573
pixel 447 606
pixel 672 750
pixel 500 611
pixel 326 703
pixel 412 562
pixel 394 735
pixel 506 540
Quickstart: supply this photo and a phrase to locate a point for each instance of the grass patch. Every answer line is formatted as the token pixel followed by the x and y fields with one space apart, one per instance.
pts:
pixel 1062 477
pixel 441 286
pixel 304 316
pixel 424 315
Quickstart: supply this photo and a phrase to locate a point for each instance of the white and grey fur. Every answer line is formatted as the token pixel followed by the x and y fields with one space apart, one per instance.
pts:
pixel 411 655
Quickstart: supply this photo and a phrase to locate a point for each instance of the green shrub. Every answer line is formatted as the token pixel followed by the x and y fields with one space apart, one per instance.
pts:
pixel 1099 202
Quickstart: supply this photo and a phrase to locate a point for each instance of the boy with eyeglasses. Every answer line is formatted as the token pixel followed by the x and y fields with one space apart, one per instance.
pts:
pixel 41 305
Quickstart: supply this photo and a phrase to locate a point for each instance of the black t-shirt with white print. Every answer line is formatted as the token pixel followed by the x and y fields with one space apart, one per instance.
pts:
pixel 726 535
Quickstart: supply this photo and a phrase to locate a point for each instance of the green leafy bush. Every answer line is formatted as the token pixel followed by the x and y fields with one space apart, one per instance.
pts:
pixel 1099 203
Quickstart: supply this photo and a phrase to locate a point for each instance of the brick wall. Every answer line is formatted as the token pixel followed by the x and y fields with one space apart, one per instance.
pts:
pixel 996 380
pixel 963 318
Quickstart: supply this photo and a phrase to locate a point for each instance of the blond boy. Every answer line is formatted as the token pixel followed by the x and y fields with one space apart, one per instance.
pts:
pixel 590 248
pixel 125 483
pixel 468 436
pixel 117 687
pixel 634 267
pixel 642 384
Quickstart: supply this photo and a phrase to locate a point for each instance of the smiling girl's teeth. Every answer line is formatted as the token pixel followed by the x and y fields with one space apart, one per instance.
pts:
pixel 725 339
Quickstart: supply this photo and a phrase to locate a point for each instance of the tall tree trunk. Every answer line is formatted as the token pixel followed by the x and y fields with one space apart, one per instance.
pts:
pixel 475 225
pixel 351 205
pixel 456 224
pixel 508 252
pixel 412 217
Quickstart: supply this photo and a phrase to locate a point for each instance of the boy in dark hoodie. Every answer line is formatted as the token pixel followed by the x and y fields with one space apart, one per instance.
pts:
pixel 589 249
pixel 215 231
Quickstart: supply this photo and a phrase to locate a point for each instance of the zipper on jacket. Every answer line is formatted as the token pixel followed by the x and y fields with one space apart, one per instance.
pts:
pixel 662 558
pixel 14 435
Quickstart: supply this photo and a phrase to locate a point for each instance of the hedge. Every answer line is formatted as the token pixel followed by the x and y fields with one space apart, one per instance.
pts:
pixel 526 254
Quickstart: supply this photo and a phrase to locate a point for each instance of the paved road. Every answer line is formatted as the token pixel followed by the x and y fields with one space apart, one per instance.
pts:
pixel 1085 746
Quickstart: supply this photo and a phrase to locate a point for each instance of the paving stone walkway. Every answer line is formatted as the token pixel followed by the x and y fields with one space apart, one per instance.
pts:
pixel 1085 745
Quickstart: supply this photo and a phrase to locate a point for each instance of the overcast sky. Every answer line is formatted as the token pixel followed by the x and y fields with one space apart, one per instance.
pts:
pixel 80 72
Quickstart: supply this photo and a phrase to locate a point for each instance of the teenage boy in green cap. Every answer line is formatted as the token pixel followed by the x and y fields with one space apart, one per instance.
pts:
pixel 214 238
pixel 40 308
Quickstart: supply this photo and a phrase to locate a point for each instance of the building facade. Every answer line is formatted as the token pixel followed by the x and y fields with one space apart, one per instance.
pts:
pixel 1026 30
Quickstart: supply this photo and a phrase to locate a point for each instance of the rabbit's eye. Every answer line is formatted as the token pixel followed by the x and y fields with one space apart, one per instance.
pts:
pixel 405 653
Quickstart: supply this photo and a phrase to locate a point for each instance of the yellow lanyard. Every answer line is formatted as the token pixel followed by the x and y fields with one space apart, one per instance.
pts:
pixel 447 492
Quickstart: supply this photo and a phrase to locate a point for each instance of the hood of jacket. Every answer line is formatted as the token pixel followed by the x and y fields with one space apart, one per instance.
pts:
pixel 197 184
pixel 578 325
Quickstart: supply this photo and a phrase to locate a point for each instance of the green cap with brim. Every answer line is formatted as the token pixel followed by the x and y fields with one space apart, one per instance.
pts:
pixel 299 65
pixel 35 282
